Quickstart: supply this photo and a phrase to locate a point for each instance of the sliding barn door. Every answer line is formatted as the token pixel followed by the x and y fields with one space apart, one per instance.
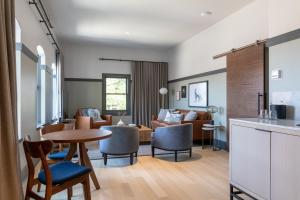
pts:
pixel 245 82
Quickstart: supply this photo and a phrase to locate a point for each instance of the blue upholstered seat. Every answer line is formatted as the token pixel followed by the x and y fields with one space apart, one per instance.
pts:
pixel 60 155
pixel 63 171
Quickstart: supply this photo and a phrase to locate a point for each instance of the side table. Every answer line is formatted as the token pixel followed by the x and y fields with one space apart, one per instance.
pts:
pixel 214 128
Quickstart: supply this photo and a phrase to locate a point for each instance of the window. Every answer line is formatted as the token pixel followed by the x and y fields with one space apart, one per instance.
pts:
pixel 18 76
pixel 59 85
pixel 54 93
pixel 41 87
pixel 116 93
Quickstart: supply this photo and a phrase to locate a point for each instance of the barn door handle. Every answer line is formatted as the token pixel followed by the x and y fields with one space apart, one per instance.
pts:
pixel 259 95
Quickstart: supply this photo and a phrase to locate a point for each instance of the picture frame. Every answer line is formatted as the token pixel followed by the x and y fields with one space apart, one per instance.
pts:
pixel 183 92
pixel 198 94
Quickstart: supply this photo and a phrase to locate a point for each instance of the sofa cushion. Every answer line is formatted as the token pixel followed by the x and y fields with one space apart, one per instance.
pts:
pixel 162 114
pixel 173 118
pixel 191 116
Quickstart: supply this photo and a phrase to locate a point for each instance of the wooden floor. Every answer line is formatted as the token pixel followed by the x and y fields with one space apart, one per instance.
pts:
pixel 204 177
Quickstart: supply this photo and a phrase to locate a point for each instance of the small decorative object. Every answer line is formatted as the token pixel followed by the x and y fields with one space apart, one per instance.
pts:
pixel 121 114
pixel 198 94
pixel 183 91
pixel 163 91
pixel 212 110
pixel 177 95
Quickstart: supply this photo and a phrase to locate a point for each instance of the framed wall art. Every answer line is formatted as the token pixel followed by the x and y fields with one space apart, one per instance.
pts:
pixel 198 94
pixel 183 91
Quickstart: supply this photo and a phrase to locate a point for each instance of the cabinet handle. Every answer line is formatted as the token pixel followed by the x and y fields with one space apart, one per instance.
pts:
pixel 258 129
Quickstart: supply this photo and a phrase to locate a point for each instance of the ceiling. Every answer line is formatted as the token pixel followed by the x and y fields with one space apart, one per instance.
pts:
pixel 159 23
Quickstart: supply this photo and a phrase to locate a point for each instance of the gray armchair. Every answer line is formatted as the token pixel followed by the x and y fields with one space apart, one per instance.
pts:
pixel 124 140
pixel 173 138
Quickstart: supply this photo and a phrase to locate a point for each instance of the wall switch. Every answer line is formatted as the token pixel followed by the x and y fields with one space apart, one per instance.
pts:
pixel 276 74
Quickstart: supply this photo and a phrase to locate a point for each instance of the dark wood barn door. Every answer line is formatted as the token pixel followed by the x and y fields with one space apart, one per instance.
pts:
pixel 245 82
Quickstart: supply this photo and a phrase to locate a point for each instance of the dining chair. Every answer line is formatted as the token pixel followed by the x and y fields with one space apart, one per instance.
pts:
pixel 56 154
pixel 57 177
pixel 83 122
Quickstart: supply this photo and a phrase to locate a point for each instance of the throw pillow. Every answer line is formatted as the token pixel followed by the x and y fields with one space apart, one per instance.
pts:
pixel 173 118
pixel 162 114
pixel 95 114
pixel 190 116
pixel 84 112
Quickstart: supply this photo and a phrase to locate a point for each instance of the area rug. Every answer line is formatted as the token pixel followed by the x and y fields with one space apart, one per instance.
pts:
pixel 144 150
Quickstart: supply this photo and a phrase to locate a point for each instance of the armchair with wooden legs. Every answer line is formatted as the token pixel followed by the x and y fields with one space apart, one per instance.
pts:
pixel 57 177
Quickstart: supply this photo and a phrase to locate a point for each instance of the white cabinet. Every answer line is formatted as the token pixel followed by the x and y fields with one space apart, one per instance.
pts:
pixel 250 160
pixel 285 167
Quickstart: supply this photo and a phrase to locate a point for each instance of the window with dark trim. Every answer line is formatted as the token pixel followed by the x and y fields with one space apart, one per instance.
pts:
pixel 116 94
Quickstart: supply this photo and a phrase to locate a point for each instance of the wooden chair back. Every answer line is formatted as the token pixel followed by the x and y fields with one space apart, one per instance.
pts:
pixel 37 149
pixel 49 128
pixel 83 122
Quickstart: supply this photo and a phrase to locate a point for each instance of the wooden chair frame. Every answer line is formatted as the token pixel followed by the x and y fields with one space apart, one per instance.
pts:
pixel 39 150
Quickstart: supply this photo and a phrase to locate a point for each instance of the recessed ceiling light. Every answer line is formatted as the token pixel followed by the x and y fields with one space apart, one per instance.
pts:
pixel 205 13
pixel 127 33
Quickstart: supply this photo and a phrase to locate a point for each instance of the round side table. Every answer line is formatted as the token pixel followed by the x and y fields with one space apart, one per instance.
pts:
pixel 214 128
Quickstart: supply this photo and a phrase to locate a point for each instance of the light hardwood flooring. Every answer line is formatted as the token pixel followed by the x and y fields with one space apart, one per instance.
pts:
pixel 204 177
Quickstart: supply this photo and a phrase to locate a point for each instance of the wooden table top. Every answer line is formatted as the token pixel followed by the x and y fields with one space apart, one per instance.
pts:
pixel 77 136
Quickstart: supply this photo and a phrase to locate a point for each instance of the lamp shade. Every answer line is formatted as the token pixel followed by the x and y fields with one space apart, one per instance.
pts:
pixel 212 109
pixel 163 91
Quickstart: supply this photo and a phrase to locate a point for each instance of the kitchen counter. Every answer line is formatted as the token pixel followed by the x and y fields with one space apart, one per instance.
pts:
pixel 283 126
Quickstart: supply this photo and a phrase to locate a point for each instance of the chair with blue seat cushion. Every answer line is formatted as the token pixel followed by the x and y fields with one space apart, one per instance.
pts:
pixel 58 153
pixel 57 177
pixel 124 140
pixel 175 138
pixel 63 171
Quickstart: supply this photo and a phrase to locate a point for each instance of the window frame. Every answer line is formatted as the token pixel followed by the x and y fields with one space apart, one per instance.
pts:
pixel 128 94
pixel 41 87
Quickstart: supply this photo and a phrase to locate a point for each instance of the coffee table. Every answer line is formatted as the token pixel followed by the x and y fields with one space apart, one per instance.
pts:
pixel 145 133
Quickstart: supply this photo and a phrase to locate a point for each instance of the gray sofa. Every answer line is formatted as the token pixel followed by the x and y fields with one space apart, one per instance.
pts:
pixel 124 140
pixel 173 138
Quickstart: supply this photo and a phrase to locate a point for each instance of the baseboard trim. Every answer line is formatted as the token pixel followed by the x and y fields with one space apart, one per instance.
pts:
pixel 218 143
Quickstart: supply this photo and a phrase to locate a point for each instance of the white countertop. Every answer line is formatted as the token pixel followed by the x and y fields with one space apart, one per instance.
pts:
pixel 282 126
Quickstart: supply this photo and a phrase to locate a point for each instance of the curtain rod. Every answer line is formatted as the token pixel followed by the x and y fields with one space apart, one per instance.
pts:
pixel 33 2
pixel 125 60
pixel 240 48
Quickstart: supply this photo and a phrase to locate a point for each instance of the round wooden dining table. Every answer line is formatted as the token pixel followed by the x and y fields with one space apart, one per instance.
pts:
pixel 78 138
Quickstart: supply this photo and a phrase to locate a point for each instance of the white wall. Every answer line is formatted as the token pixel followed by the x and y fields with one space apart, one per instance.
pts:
pixel 286 90
pixel 33 32
pixel 284 16
pixel 82 60
pixel 195 55
pixel 32 35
